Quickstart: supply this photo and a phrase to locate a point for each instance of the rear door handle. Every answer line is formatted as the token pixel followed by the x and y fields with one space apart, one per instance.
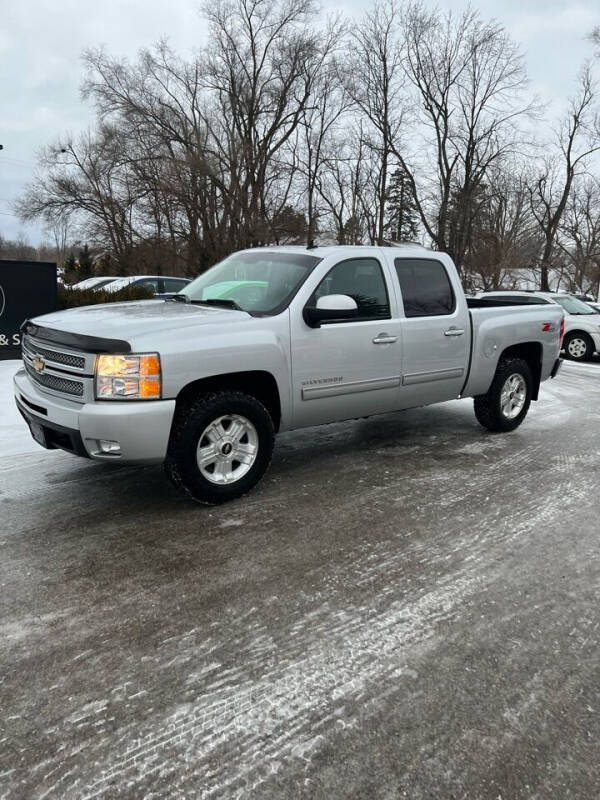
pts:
pixel 383 338
pixel 454 332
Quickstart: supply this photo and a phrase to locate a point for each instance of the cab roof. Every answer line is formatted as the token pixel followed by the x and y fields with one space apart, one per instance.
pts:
pixel 321 251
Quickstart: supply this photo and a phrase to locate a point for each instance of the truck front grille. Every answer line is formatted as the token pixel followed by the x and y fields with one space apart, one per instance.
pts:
pixel 62 385
pixel 55 356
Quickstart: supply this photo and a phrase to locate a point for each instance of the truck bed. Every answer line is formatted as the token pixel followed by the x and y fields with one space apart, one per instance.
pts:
pixel 497 325
pixel 492 302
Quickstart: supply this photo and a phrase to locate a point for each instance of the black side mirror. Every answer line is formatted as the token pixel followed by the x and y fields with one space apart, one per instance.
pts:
pixel 330 308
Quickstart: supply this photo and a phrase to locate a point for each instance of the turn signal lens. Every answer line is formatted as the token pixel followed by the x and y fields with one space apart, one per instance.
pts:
pixel 135 377
pixel 149 388
pixel 149 365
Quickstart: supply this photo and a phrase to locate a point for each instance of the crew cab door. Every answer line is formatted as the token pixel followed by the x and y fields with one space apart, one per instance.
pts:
pixel 349 368
pixel 436 331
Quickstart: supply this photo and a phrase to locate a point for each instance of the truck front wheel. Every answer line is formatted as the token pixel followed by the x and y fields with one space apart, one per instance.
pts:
pixel 504 407
pixel 220 446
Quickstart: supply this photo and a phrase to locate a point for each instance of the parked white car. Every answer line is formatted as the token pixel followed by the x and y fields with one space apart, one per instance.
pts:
pixel 98 282
pixel 582 326
pixel 158 284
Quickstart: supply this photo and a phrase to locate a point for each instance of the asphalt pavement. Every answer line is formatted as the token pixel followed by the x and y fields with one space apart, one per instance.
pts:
pixel 407 607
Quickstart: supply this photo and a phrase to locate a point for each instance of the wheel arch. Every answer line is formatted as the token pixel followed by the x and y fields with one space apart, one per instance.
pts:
pixel 532 353
pixel 258 383
pixel 579 332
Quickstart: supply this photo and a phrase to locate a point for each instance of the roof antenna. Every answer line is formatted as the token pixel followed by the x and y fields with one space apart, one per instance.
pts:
pixel 310 245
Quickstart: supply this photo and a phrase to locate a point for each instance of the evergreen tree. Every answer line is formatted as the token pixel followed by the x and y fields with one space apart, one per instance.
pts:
pixel 70 263
pixel 70 273
pixel 86 266
pixel 402 215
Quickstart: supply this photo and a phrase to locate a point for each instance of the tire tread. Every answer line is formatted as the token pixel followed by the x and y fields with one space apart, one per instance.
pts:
pixel 487 405
pixel 184 415
pixel 579 335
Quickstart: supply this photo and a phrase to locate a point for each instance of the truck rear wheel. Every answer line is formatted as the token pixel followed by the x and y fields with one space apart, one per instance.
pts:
pixel 578 346
pixel 220 446
pixel 504 407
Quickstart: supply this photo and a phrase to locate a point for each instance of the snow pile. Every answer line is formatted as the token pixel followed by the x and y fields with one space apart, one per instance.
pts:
pixel 14 433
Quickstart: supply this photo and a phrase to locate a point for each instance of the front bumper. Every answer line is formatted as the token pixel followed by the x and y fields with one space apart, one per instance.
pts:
pixel 142 429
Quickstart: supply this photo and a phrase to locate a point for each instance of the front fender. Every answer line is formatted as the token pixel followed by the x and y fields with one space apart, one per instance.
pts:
pixel 258 344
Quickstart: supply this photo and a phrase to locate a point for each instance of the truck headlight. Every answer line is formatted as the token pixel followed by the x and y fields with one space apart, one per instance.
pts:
pixel 128 377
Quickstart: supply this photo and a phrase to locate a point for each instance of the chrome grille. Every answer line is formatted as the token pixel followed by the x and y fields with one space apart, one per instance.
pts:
pixel 56 384
pixel 57 357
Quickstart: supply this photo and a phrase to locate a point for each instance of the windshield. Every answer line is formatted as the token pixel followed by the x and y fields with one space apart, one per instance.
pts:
pixel 574 306
pixel 259 283
pixel 118 284
pixel 90 283
pixel 100 284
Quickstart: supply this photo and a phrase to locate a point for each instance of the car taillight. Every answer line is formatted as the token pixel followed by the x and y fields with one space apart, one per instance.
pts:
pixel 562 331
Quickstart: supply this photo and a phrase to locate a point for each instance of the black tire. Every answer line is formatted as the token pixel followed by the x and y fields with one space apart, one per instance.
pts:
pixel 191 421
pixel 581 344
pixel 488 407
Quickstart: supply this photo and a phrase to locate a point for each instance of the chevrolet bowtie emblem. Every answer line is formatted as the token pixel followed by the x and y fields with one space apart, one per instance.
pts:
pixel 38 364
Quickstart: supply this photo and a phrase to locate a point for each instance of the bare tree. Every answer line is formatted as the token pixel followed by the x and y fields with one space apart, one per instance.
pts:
pixel 504 237
pixel 85 176
pixel 468 77
pixel 577 138
pixel 284 124
pixel 160 111
pixel 579 238
pixel 319 132
pixel 58 227
pixel 262 67
pixel 192 158
pixel 342 186
pixel 375 80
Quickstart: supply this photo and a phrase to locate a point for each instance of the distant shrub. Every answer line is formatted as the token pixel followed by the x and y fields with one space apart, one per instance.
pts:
pixel 72 298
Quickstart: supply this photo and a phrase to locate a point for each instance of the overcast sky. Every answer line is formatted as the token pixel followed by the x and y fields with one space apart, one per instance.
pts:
pixel 41 42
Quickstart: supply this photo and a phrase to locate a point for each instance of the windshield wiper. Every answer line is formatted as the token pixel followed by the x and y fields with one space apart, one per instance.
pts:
pixel 218 301
pixel 180 298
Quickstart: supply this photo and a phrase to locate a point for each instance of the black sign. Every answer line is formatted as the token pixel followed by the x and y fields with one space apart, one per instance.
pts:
pixel 27 289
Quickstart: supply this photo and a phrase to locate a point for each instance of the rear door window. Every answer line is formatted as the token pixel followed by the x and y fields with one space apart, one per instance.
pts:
pixel 426 288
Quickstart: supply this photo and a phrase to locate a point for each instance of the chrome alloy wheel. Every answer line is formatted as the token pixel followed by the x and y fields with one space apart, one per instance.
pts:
pixel 577 347
pixel 227 449
pixel 513 396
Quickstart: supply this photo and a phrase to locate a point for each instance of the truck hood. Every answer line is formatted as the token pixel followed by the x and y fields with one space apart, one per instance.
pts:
pixel 130 320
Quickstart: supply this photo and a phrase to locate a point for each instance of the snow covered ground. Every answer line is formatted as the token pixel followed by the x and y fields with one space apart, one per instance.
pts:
pixel 404 607
pixel 14 434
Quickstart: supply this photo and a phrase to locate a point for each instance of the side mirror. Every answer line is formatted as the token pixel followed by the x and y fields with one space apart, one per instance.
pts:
pixel 330 308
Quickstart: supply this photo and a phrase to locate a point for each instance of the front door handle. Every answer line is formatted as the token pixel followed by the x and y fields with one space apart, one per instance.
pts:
pixel 454 332
pixel 384 338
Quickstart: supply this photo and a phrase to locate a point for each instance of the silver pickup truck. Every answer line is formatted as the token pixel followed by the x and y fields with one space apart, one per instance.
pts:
pixel 273 339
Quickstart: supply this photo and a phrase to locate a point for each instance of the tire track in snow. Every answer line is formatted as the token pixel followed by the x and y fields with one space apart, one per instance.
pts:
pixel 240 724
pixel 276 716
